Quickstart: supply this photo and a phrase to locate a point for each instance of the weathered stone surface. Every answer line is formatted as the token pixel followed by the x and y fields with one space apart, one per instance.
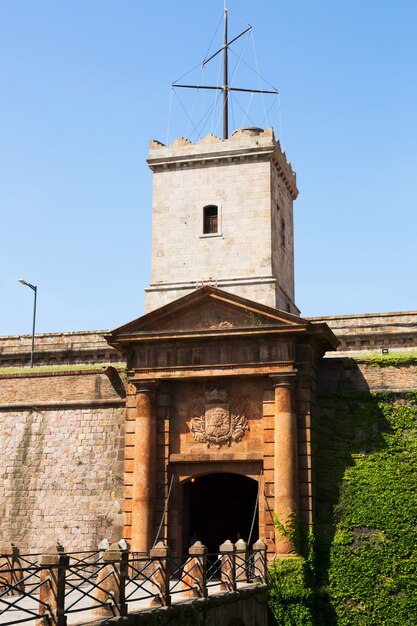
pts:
pixel 61 475
pixel 250 182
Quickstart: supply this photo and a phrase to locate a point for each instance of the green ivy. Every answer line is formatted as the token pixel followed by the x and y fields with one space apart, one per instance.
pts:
pixel 364 570
pixel 390 360
pixel 291 598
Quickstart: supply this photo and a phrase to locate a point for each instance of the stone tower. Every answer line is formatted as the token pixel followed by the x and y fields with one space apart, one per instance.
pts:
pixel 223 215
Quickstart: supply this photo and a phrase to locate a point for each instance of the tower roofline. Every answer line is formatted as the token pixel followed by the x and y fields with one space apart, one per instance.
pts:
pixel 245 143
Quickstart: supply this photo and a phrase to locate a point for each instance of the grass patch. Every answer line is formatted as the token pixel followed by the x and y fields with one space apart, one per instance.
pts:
pixel 59 368
pixel 391 359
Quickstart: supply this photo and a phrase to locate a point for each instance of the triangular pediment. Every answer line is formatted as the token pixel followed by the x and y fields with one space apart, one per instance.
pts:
pixel 208 309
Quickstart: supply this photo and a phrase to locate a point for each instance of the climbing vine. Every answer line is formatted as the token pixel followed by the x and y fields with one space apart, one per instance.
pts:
pixel 365 566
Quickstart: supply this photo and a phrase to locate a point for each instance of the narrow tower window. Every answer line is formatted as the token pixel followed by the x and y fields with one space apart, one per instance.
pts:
pixel 210 221
pixel 283 233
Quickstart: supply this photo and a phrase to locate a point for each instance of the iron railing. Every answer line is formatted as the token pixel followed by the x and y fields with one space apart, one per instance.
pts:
pixel 51 588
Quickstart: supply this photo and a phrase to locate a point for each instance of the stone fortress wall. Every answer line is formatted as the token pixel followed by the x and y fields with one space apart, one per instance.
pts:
pixel 62 423
pixel 61 436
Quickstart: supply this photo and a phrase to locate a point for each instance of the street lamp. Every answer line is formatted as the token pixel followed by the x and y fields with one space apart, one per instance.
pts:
pixel 35 289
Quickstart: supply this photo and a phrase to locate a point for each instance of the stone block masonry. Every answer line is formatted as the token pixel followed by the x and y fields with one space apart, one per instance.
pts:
pixel 62 430
pixel 251 186
pixel 61 468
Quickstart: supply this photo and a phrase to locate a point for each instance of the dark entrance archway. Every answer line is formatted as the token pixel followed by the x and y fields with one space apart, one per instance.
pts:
pixel 217 507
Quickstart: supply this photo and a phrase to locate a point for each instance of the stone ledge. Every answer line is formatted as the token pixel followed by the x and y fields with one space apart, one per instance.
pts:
pixel 216 456
pixel 56 404
pixel 61 372
pixel 189 609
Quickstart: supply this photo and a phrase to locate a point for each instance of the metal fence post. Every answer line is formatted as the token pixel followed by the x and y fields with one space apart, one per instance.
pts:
pixel 60 592
pixel 124 564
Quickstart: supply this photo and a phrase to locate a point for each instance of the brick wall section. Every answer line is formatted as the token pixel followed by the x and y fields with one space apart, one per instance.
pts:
pixel 61 468
pixel 59 386
pixel 345 374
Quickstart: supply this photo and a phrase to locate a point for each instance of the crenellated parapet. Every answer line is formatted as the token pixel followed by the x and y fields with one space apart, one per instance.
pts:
pixel 245 144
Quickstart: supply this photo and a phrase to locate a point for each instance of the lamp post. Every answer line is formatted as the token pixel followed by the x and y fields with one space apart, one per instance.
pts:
pixel 35 289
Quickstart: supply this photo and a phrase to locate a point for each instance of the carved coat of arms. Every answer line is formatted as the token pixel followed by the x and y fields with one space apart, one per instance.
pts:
pixel 216 420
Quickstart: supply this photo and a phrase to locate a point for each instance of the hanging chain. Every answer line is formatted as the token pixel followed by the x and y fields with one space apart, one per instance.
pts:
pixel 254 514
pixel 164 512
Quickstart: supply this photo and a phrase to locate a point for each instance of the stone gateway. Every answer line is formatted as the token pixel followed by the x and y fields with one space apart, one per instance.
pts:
pixel 195 421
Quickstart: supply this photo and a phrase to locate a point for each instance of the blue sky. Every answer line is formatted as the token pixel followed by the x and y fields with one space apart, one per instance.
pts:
pixel 86 83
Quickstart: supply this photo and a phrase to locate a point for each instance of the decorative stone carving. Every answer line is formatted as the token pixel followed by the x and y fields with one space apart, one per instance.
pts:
pixel 216 419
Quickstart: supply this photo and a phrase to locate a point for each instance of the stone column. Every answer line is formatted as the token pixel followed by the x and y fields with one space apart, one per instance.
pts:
pixel 144 464
pixel 286 460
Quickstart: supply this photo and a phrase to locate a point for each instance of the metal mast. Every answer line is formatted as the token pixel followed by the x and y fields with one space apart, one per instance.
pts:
pixel 225 81
pixel 226 87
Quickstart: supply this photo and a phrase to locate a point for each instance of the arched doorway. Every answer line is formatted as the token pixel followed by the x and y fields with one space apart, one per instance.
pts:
pixel 217 507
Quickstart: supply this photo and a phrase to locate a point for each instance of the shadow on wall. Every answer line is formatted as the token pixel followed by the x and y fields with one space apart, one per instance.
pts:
pixel 115 381
pixel 24 476
pixel 349 422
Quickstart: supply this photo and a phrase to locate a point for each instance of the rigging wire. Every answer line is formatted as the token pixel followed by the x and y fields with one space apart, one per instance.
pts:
pixel 265 119
pixel 219 94
pixel 185 110
pixel 232 78
pixel 169 115
pixel 281 134
pixel 193 106
pixel 244 112
pixel 203 121
pixel 259 76
pixel 217 97
pixel 212 39
pixel 254 70
pixel 186 74
pixel 239 58
pixel 199 64
pixel 198 127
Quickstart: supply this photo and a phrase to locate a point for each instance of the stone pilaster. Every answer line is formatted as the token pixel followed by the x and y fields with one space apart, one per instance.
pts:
pixel 144 468
pixel 285 459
